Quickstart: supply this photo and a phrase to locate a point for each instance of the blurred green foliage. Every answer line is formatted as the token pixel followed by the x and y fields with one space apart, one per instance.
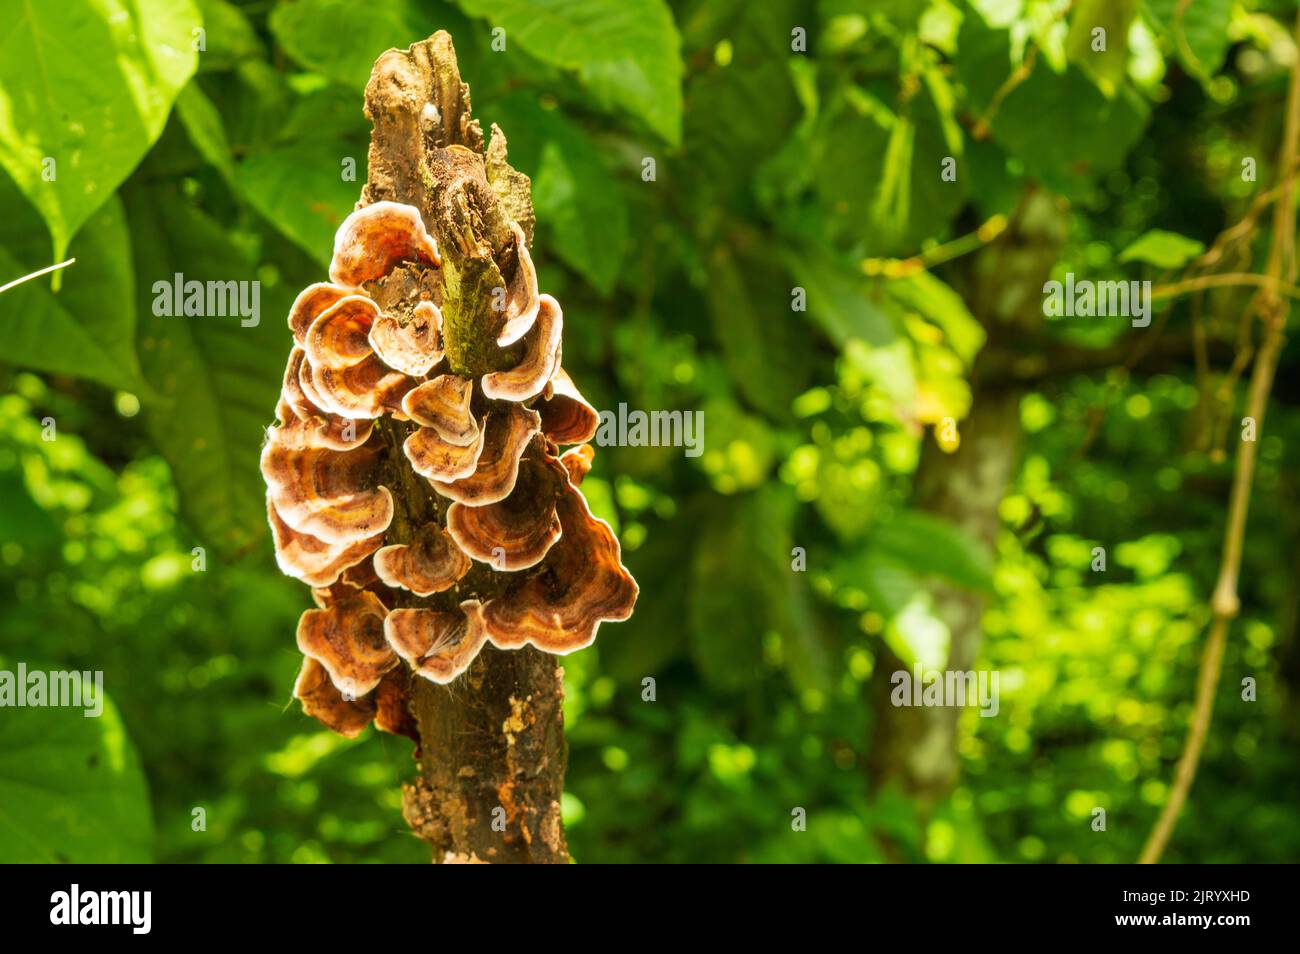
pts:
pixel 796 146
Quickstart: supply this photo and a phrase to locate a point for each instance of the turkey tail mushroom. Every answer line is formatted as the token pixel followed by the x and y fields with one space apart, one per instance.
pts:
pixel 559 605
pixel 374 239
pixel 413 480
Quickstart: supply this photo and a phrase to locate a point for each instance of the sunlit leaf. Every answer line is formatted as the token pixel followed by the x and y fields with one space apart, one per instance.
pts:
pixel 1162 249
pixel 87 328
pixel 87 85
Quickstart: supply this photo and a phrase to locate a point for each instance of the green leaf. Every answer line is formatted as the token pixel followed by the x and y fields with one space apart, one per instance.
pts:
pixel 1162 249
pixel 203 125
pixel 87 84
pixel 1105 66
pixel 884 169
pixel 299 189
pixel 727 137
pixel 1065 149
pixel 576 197
pixel 627 54
pixel 930 546
pixel 71 788
pixel 229 37
pixel 343 38
pixel 839 300
pixel 935 301
pixel 1197 32
pixel 217 380
pixel 87 328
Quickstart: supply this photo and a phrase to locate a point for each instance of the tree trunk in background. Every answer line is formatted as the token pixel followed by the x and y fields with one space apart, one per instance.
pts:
pixel 492 749
pixel 915 748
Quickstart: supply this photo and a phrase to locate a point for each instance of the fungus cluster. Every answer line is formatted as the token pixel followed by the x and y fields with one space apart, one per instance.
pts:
pixel 426 500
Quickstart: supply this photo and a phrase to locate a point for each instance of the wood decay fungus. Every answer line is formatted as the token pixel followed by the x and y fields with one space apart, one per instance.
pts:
pixel 414 478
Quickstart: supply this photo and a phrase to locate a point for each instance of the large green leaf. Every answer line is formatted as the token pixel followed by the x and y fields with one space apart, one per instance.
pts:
pixel 342 38
pixel 628 53
pixel 87 328
pixel 89 84
pixel 71 788
pixel 217 380
pixel 576 197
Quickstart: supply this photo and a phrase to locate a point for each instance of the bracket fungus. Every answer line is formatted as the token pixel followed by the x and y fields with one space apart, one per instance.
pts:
pixel 414 479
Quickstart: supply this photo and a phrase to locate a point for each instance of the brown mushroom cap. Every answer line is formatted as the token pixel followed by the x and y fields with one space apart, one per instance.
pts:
pixel 304 424
pixel 431 563
pixel 392 711
pixel 308 306
pixel 373 239
pixel 506 432
pixel 514 533
pixel 347 639
pixel 330 495
pixel 322 701
pixel 364 390
pixel 559 604
pixel 541 358
pixel 434 458
pixel 567 418
pixel 414 347
pixel 306 384
pixel 577 461
pixel 521 296
pixel 340 336
pixel 291 392
pixel 311 560
pixel 362 576
pixel 319 430
pixel 437 645
pixel 443 404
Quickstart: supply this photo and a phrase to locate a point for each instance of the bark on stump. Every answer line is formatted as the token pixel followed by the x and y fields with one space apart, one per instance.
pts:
pixel 492 750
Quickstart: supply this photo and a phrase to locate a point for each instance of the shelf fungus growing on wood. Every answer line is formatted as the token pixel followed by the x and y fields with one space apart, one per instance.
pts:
pixel 414 478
